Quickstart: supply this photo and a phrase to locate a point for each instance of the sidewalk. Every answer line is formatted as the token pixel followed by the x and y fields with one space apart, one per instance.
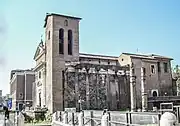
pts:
pixel 37 125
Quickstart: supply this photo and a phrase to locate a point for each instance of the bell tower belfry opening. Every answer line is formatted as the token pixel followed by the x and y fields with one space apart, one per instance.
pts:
pixel 62 45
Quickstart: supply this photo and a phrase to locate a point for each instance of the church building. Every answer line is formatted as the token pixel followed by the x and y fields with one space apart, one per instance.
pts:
pixel 64 77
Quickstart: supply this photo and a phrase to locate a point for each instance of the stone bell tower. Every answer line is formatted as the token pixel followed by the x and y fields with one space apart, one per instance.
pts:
pixel 62 45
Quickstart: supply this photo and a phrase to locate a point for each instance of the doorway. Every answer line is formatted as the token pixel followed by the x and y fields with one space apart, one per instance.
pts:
pixel 155 94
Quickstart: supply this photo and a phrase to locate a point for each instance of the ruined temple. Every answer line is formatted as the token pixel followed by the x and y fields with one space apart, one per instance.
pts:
pixel 98 81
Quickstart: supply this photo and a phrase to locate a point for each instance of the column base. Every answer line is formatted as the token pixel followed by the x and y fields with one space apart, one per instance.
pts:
pixel 144 110
pixel 133 110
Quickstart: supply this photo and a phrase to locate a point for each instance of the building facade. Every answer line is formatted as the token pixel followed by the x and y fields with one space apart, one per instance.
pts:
pixel 64 77
pixel 157 75
pixel 21 82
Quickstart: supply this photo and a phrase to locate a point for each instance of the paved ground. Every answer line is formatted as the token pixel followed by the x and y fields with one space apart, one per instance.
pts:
pixel 2 121
pixel 36 125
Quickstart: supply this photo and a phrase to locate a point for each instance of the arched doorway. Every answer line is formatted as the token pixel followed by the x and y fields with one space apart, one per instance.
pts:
pixel 154 93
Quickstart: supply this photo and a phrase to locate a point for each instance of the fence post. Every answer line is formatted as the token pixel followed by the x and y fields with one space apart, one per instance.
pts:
pixel 83 117
pixel 127 119
pixel 73 119
pixel 130 118
pixel 104 120
pixel 159 118
pixel 178 115
pixel 109 118
pixel 80 119
pixel 60 118
pixel 65 118
pixel 92 122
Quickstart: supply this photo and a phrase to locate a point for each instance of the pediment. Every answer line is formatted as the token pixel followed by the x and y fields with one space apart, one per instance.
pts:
pixel 39 50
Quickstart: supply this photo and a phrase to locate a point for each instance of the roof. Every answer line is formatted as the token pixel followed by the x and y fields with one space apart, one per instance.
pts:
pixel 19 71
pixel 61 15
pixel 149 56
pixel 94 56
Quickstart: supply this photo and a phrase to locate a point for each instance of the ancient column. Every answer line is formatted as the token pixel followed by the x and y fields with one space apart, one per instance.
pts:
pixel 107 90
pixel 65 88
pixel 97 87
pixel 87 89
pixel 117 90
pixel 143 93
pixel 103 87
pixel 77 88
pixel 132 89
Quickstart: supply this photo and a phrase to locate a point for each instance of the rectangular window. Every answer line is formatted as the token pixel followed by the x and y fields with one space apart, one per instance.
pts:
pixel 69 47
pixel 48 35
pixel 61 41
pixel 152 69
pixel 39 74
pixel 165 67
pixel 159 66
pixel 70 39
pixel 144 71
pixel 61 47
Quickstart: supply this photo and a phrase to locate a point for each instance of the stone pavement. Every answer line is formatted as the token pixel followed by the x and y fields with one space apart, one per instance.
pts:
pixel 37 125
pixel 8 123
pixel 2 121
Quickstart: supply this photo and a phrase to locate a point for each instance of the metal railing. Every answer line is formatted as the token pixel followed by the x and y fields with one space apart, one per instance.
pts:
pixel 115 118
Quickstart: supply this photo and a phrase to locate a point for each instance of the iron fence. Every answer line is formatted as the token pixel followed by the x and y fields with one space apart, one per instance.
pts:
pixel 94 118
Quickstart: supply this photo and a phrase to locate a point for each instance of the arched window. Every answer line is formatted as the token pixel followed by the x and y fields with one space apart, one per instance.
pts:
pixel 61 41
pixel 65 23
pixel 70 38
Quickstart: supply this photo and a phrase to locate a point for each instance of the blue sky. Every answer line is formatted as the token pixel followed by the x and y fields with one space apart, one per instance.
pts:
pixel 108 27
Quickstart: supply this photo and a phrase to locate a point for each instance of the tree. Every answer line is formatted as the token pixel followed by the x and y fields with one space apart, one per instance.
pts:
pixel 176 71
pixel 176 76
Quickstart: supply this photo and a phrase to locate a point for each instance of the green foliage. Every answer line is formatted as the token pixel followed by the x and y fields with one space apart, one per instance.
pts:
pixel 176 71
pixel 40 116
pixel 28 119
